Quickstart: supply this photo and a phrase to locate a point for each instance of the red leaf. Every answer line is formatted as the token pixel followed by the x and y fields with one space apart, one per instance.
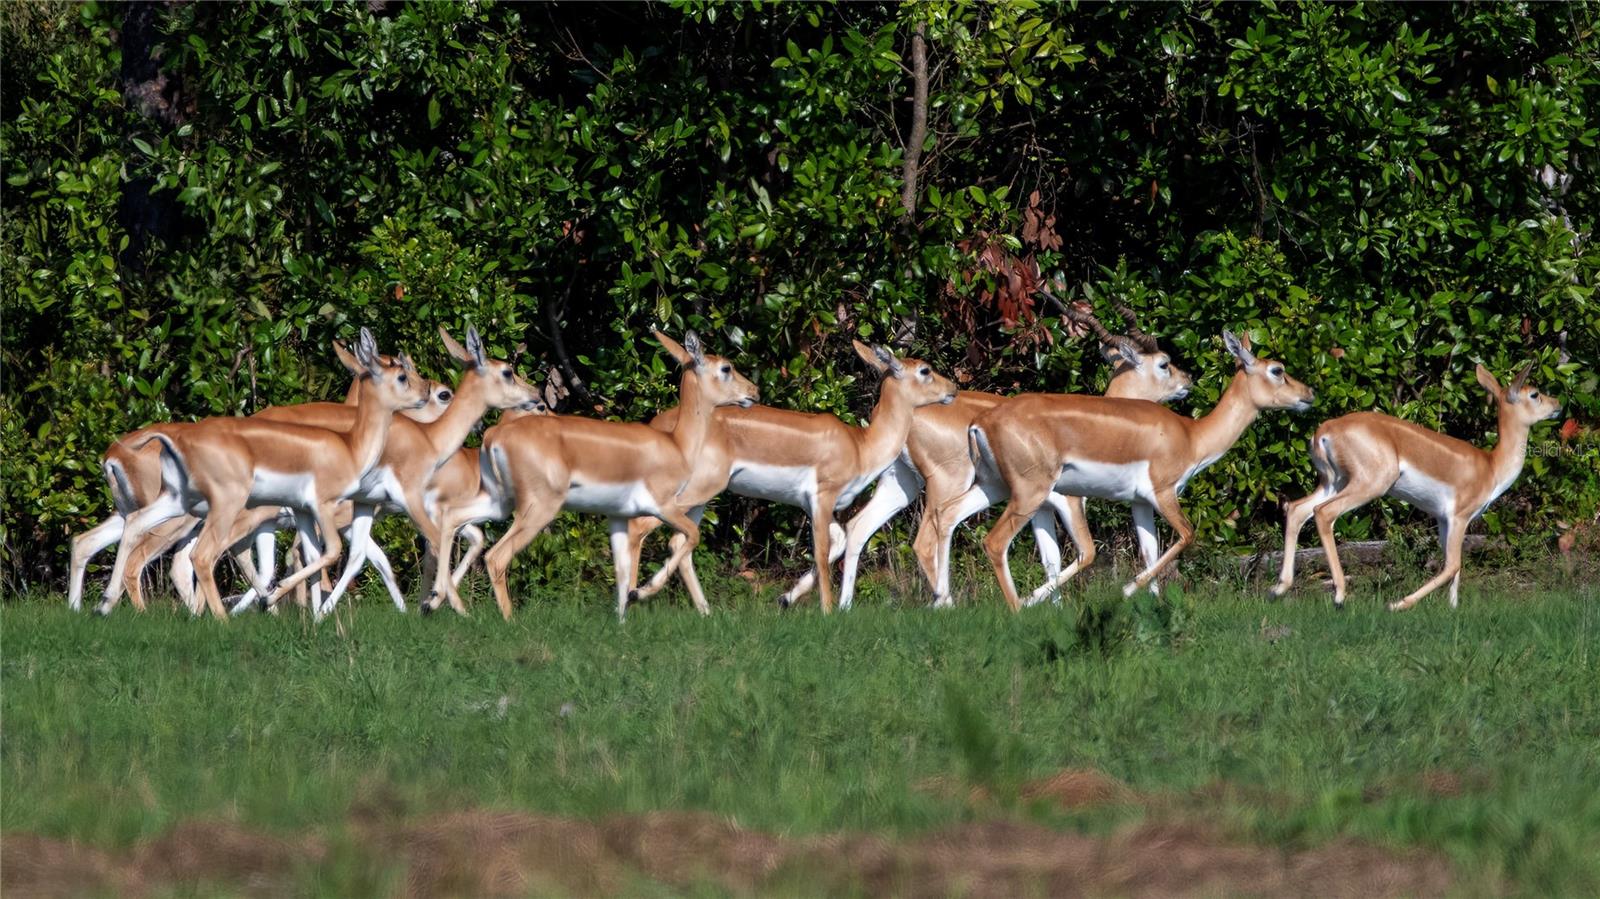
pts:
pixel 1569 429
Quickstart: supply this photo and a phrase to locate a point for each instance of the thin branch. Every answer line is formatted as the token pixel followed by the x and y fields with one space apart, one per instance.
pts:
pixel 574 53
pixel 919 121
pixel 1261 190
pixel 558 344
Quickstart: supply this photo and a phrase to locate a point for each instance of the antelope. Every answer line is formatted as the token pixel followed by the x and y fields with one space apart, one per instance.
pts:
pixel 263 522
pixel 134 480
pixel 218 466
pixel 459 484
pixel 1364 455
pixel 937 464
pixel 805 459
pixel 1140 371
pixel 414 453
pixel 543 464
pixel 1132 451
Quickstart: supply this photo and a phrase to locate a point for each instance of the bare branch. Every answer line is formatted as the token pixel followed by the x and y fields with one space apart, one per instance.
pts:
pixel 558 344
pixel 919 120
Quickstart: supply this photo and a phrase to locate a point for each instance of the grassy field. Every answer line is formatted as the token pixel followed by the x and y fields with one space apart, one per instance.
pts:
pixel 1474 733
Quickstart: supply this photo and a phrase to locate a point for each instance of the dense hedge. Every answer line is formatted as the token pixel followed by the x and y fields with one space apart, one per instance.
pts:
pixel 199 196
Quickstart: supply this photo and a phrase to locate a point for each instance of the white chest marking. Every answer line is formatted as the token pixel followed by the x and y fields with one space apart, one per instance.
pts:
pixel 855 486
pixel 379 486
pixel 1198 467
pixel 628 499
pixel 792 485
pixel 1431 496
pixel 1499 488
pixel 1125 482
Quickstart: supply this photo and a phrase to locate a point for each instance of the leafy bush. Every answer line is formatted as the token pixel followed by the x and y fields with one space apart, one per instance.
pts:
pixel 199 197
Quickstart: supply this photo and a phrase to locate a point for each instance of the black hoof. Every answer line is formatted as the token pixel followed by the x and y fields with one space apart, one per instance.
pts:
pixel 633 597
pixel 784 603
pixel 102 612
pixel 1338 607
pixel 426 610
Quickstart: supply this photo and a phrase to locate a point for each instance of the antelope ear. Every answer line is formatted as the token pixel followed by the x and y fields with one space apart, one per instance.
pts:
pixel 1125 351
pixel 475 349
pixel 889 359
pixel 1519 382
pixel 869 356
pixel 1486 378
pixel 691 342
pixel 1239 349
pixel 367 353
pixel 675 349
pixel 347 358
pixel 456 350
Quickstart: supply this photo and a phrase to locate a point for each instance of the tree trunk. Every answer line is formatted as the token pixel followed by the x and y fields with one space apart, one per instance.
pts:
pixel 919 121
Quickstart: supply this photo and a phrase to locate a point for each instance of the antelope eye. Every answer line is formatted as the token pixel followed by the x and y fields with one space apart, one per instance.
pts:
pixel 1276 371
pixel 727 369
pixel 1165 365
pixel 506 373
pixel 444 396
pixel 925 371
pixel 402 379
pixel 1533 394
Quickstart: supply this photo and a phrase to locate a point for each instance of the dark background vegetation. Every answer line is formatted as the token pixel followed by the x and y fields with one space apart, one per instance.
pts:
pixel 199 197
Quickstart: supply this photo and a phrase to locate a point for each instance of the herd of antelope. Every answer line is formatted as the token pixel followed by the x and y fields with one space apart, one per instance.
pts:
pixel 226 485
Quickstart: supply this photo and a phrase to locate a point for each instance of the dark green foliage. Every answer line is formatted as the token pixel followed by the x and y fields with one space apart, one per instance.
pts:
pixel 1380 194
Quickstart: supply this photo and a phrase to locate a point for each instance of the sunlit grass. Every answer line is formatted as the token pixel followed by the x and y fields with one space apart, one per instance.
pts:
pixel 1331 723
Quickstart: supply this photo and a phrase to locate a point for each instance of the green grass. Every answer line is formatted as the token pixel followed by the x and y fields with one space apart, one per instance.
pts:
pixel 116 729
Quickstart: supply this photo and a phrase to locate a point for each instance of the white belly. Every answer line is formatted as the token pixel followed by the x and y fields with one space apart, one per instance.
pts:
pixel 271 488
pixel 1431 496
pixel 626 500
pixel 1125 482
pixel 792 485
